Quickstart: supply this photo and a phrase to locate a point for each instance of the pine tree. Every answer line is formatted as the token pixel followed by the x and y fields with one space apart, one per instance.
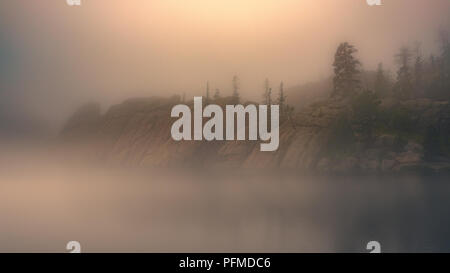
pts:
pixel 346 71
pixel 404 82
pixel 444 77
pixel 418 70
pixel 235 96
pixel 381 83
pixel 217 94
pixel 207 100
pixel 282 101
pixel 267 96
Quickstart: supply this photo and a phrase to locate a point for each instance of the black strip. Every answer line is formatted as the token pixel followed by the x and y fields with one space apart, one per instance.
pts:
pixel 223 262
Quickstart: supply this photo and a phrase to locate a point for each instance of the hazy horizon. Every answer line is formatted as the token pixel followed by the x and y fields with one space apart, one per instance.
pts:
pixel 56 57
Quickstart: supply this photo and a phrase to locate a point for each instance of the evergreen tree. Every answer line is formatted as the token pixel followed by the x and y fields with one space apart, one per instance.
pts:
pixel 217 94
pixel 444 69
pixel 432 77
pixel 267 96
pixel 346 71
pixel 236 86
pixel 404 83
pixel 381 83
pixel 207 100
pixel 282 100
pixel 418 71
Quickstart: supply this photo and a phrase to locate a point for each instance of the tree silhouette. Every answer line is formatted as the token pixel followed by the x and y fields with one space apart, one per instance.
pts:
pixel 281 100
pixel 346 71
pixel 207 100
pixel 404 83
pixel 418 70
pixel 217 94
pixel 236 86
pixel 381 82
pixel 267 96
pixel 444 77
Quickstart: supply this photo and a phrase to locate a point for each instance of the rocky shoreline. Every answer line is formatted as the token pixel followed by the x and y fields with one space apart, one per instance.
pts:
pixel 137 133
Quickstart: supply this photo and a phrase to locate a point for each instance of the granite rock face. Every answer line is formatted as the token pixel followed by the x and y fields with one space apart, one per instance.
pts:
pixel 137 133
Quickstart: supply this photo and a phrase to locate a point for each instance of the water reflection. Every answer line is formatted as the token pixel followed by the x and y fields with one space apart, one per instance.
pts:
pixel 46 201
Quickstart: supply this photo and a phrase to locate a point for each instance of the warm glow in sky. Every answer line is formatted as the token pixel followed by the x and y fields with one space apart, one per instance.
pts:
pixel 115 49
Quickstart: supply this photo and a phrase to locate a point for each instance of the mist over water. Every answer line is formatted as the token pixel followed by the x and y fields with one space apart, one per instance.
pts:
pixel 48 198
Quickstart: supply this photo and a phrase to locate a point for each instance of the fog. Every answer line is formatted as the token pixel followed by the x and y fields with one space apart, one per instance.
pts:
pixel 48 197
pixel 55 57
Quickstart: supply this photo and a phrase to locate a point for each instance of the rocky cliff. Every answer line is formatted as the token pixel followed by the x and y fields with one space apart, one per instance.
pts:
pixel 137 133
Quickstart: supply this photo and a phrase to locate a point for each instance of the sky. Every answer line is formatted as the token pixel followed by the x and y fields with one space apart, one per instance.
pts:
pixel 55 57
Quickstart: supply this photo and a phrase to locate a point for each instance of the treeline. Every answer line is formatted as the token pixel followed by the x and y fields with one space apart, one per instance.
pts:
pixel 286 110
pixel 417 77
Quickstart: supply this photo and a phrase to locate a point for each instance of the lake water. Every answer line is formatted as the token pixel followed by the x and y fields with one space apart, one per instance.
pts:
pixel 48 200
